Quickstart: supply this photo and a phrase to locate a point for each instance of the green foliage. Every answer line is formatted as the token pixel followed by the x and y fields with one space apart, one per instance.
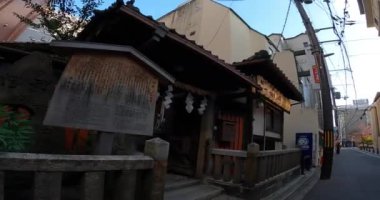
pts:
pixel 61 18
pixel 15 133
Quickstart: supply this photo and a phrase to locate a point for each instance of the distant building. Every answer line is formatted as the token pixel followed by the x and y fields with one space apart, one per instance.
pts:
pixel 374 115
pixel 361 102
pixel 353 122
pixel 12 29
pixel 372 13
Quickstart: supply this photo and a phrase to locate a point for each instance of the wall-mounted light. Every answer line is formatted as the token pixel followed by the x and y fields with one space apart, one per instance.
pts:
pixel 328 54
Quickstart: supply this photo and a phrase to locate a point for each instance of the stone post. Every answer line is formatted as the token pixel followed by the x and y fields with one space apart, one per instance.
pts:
pixel 92 186
pixel 125 185
pixel 252 163
pixel 104 142
pixel 154 181
pixel 1 185
pixel 47 185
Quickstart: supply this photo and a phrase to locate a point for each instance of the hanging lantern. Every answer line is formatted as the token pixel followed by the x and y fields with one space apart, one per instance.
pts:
pixel 189 103
pixel 202 106
pixel 168 97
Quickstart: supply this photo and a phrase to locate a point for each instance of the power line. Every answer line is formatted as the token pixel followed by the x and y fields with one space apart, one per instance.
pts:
pixel 285 22
pixel 349 66
pixel 320 5
pixel 338 75
pixel 345 16
pixel 341 41
pixel 365 54
pixel 355 40
pixel 343 49
pixel 332 64
pixel 350 122
pixel 345 74
pixel 345 81
pixel 333 19
pixel 333 7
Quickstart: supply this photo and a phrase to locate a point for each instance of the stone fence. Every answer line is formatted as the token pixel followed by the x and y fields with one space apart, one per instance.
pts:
pixel 118 177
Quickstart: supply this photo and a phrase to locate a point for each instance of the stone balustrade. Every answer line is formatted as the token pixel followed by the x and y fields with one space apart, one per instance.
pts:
pixel 118 177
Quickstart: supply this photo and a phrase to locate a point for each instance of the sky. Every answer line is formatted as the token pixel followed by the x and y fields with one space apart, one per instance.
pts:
pixel 268 16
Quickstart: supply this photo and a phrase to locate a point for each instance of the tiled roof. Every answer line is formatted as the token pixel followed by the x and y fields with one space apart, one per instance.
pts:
pixel 133 11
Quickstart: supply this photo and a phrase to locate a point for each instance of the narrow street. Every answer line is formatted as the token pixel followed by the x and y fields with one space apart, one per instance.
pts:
pixel 355 175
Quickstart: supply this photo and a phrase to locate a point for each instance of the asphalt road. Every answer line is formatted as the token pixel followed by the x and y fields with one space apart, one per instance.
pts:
pixel 355 175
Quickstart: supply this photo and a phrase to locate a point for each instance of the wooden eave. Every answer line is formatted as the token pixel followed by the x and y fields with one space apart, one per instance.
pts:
pixel 85 46
pixel 361 7
pixel 269 70
pixel 188 43
pixel 376 97
pixel 183 58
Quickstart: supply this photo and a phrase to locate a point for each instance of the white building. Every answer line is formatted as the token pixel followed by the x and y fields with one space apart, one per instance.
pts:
pixel 305 117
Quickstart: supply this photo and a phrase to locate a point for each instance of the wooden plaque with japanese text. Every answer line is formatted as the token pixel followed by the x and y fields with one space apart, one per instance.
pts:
pixel 104 92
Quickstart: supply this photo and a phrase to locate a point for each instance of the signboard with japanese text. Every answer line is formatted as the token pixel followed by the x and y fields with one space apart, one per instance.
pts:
pixel 111 93
pixel 305 142
pixel 306 63
pixel 316 74
pixel 269 91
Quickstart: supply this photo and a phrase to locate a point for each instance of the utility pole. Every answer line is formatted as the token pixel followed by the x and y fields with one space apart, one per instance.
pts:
pixel 328 148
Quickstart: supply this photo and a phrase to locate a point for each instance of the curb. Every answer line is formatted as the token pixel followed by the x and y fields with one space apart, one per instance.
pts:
pixel 298 188
pixel 305 187
pixel 366 152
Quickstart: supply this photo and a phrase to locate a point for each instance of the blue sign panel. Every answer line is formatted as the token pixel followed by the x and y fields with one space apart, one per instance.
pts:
pixel 305 142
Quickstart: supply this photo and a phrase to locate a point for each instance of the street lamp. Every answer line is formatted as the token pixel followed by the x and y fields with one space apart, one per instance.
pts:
pixel 328 54
pixel 321 29
pixel 308 1
pixel 329 41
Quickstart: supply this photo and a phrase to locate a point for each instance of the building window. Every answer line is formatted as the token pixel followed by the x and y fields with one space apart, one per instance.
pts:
pixel 305 44
pixel 273 120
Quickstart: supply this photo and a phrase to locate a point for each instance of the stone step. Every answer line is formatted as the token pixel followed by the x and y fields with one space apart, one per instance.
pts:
pixel 175 181
pixel 225 197
pixel 180 184
pixel 195 192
